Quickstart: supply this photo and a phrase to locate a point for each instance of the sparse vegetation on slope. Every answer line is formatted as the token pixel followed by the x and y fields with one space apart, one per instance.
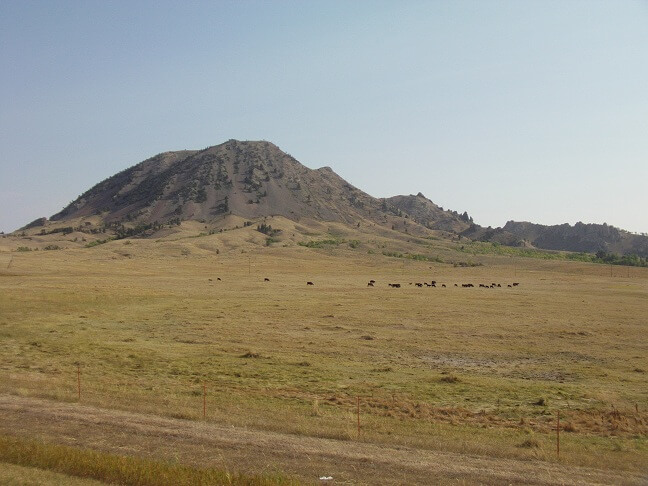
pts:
pixel 589 238
pixel 320 243
pixel 485 248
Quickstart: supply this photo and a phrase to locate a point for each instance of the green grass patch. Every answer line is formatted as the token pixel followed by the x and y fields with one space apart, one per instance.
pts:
pixel 494 248
pixel 482 248
pixel 98 242
pixel 413 256
pixel 320 243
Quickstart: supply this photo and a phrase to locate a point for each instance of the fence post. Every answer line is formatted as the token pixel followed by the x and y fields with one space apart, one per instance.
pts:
pixel 558 436
pixel 204 401
pixel 79 381
pixel 358 413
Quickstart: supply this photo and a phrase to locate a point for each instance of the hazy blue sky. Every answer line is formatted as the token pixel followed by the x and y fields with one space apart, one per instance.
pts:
pixel 510 110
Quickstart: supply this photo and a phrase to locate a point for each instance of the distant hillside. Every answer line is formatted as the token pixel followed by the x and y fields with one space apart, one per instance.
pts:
pixel 246 179
pixel 425 212
pixel 580 238
pixel 255 179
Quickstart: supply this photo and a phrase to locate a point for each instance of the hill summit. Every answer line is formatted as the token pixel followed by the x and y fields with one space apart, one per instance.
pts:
pixel 247 179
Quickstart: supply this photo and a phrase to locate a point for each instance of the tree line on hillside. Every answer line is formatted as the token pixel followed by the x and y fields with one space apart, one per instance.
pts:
pixel 614 259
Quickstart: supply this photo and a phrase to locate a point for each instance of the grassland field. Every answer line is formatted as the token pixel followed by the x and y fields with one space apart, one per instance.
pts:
pixel 469 370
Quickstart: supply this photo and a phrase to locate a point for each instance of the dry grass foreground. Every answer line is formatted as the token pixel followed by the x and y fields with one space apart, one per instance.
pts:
pixel 225 447
pixel 76 464
pixel 472 371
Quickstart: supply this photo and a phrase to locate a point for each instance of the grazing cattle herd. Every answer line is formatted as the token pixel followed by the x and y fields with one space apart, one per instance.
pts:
pixel 433 283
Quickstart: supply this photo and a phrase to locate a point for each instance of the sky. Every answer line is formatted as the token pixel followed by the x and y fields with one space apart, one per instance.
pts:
pixel 509 110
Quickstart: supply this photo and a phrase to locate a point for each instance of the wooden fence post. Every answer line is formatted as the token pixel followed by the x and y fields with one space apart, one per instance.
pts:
pixel 358 413
pixel 558 436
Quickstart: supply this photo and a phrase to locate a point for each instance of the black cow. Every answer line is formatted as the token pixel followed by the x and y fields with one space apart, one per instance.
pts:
pixel 310 283
pixel 370 284
pixel 515 284
pixel 266 279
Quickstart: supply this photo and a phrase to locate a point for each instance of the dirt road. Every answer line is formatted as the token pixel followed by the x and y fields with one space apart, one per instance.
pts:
pixel 308 458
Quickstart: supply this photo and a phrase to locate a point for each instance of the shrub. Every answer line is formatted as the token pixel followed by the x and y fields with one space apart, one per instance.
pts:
pixel 201 195
pixel 319 243
pixel 569 427
pixel 467 264
pixel 449 379
pixel 530 444
pixel 97 243
pixel 266 229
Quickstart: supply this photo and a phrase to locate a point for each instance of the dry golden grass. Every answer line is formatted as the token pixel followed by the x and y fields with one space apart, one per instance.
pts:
pixel 149 322
pixel 12 475
pixel 75 463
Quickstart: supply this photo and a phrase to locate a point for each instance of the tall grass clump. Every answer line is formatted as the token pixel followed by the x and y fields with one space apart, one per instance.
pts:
pixel 112 468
